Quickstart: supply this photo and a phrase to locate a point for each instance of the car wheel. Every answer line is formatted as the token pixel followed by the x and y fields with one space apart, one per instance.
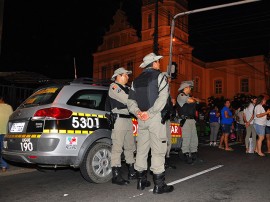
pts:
pixel 96 165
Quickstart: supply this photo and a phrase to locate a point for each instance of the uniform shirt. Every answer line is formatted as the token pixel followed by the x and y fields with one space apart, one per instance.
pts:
pixel 262 120
pixel 248 112
pixel 116 93
pixel 182 99
pixel 225 120
pixel 5 111
pixel 160 101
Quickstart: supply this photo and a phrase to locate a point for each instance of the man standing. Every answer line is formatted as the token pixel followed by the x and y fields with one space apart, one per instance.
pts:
pixel 122 134
pixel 148 96
pixel 5 111
pixel 187 112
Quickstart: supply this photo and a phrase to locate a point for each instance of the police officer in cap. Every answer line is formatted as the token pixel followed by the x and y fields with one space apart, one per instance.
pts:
pixel 187 112
pixel 122 132
pixel 148 96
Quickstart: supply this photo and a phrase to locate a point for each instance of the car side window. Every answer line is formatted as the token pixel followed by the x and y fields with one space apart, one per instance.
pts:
pixel 92 99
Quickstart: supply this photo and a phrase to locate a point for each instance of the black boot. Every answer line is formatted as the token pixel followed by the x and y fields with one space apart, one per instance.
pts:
pixel 117 177
pixel 168 164
pixel 195 158
pixel 131 172
pixel 160 185
pixel 187 158
pixel 142 180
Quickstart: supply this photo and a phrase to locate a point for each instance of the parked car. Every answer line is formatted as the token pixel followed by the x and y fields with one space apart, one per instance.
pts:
pixel 65 125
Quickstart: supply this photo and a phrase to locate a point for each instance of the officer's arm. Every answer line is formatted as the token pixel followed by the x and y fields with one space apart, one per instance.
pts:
pixel 131 102
pixel 118 94
pixel 162 97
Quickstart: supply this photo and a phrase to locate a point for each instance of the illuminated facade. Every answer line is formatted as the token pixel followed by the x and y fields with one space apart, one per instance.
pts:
pixel 122 47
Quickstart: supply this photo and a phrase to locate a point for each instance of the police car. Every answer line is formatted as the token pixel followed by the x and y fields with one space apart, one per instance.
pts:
pixel 65 125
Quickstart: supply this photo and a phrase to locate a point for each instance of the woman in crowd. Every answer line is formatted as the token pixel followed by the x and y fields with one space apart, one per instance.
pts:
pixel 260 118
pixel 227 125
pixel 267 129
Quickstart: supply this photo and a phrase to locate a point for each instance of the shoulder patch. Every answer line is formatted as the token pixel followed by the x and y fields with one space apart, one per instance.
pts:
pixel 119 90
pixel 114 86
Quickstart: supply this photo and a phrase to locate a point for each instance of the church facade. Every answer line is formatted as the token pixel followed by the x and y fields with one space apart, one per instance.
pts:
pixel 122 47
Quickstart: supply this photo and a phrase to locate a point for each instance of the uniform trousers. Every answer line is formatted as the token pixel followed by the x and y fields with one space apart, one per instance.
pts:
pixel 122 138
pixel 169 137
pixel 250 132
pixel 190 137
pixel 151 135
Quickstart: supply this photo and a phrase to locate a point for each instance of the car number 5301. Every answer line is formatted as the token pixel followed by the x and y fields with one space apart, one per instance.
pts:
pixel 84 122
pixel 26 144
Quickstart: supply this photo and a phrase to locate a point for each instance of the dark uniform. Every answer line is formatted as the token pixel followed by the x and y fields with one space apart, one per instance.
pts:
pixel 122 134
pixel 149 93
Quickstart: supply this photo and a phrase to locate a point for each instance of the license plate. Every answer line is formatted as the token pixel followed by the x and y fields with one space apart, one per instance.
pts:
pixel 17 127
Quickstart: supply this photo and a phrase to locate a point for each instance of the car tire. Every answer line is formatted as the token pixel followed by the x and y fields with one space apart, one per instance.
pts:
pixel 96 164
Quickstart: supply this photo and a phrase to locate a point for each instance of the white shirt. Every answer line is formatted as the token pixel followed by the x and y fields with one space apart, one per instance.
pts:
pixel 262 120
pixel 248 112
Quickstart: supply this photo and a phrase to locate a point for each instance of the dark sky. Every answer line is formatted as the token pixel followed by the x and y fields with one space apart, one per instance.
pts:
pixel 44 36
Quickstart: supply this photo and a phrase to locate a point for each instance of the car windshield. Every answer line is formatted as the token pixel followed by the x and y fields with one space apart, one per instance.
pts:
pixel 41 97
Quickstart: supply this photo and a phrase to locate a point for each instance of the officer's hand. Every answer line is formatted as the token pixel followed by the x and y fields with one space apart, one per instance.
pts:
pixel 144 116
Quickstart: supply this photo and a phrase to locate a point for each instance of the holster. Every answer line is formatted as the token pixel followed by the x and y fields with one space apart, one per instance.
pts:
pixel 111 117
pixel 182 122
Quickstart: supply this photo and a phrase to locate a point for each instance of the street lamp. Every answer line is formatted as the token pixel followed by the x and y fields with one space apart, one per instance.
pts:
pixel 197 11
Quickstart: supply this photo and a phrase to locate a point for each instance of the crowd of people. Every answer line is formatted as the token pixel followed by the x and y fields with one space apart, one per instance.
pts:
pixel 247 118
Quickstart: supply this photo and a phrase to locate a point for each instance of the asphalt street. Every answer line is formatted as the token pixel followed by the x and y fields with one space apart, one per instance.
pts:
pixel 222 176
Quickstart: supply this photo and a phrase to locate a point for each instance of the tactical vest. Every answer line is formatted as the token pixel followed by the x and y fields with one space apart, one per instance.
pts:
pixel 112 103
pixel 147 88
pixel 188 109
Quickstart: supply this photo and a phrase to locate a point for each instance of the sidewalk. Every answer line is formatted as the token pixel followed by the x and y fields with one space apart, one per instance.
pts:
pixel 14 170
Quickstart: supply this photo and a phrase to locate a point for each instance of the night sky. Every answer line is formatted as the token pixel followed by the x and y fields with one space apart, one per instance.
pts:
pixel 42 36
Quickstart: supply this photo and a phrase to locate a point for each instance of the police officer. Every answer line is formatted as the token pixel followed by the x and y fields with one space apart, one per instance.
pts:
pixel 148 95
pixel 187 111
pixel 122 134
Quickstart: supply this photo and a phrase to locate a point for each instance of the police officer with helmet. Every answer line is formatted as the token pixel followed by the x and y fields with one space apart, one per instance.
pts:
pixel 187 111
pixel 148 96
pixel 122 132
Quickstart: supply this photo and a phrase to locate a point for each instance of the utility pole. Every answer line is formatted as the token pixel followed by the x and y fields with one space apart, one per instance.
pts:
pixel 197 11
pixel 155 42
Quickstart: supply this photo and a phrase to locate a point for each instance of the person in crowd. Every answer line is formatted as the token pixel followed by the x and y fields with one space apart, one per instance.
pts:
pixel 260 118
pixel 147 98
pixel 187 113
pixel 240 124
pixel 214 120
pixel 248 120
pixel 267 129
pixel 227 125
pixel 5 111
pixel 122 134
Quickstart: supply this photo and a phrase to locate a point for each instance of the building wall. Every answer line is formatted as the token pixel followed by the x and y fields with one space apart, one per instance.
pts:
pixel 121 45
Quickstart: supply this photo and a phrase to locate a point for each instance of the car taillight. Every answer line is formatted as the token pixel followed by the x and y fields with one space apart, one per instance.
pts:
pixel 53 112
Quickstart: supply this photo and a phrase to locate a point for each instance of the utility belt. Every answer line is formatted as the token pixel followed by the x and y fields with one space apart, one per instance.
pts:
pixel 127 116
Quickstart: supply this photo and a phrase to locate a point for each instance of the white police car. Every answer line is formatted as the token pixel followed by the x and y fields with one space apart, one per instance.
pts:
pixel 63 125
